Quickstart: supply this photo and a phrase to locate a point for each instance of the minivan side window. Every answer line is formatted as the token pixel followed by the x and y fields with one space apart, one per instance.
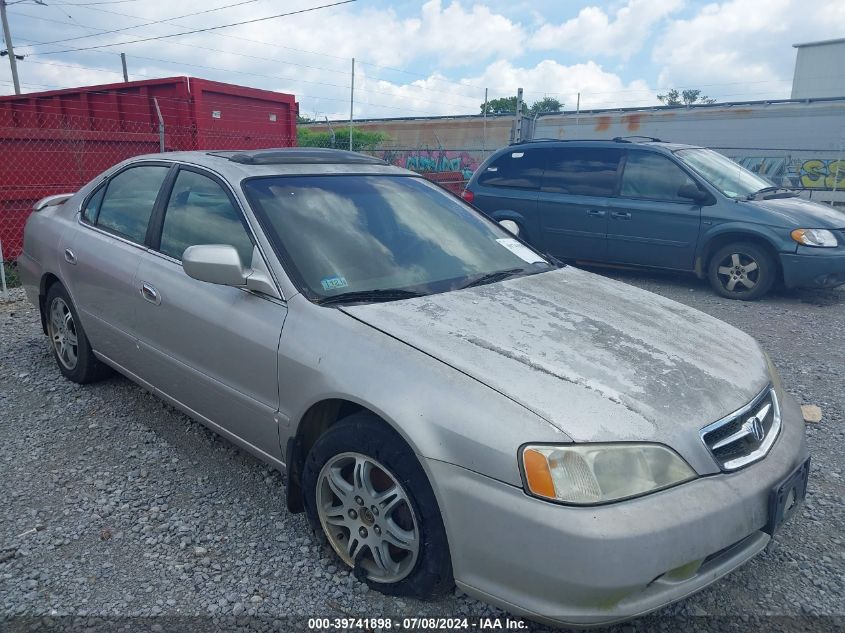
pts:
pixel 520 169
pixel 129 200
pixel 200 212
pixel 582 171
pixel 650 175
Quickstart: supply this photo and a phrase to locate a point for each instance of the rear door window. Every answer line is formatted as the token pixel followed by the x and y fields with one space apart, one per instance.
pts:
pixel 652 176
pixel 582 171
pixel 129 199
pixel 201 212
pixel 520 169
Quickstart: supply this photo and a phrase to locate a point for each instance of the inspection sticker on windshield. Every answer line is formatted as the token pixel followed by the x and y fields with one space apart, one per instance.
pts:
pixel 520 250
pixel 333 283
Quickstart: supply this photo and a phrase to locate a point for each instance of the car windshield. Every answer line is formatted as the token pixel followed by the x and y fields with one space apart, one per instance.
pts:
pixel 382 238
pixel 731 178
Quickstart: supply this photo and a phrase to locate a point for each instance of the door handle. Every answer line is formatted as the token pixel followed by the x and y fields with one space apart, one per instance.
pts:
pixel 150 294
pixel 596 213
pixel 70 258
pixel 621 215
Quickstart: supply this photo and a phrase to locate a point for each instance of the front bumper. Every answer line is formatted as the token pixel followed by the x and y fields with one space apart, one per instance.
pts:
pixel 813 267
pixel 597 565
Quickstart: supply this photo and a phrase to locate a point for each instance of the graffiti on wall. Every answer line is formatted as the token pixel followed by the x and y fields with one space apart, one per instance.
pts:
pixel 434 160
pixel 798 173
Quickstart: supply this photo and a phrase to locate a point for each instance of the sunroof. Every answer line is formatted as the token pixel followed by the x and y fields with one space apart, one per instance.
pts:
pixel 295 155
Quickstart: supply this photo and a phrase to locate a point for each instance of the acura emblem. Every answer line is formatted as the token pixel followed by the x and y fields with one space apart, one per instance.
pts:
pixel 755 427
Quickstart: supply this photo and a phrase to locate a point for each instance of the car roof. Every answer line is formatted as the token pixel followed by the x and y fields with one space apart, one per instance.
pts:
pixel 236 165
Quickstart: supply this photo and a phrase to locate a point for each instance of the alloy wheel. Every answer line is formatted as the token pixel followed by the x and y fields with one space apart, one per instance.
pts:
pixel 738 273
pixel 63 335
pixel 367 517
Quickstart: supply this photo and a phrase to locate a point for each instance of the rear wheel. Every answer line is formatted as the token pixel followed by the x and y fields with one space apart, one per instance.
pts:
pixel 70 345
pixel 742 270
pixel 367 497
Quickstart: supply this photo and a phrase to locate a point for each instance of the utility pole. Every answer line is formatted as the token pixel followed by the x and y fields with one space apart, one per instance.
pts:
pixel 484 125
pixel 351 103
pixel 7 35
pixel 123 63
pixel 517 132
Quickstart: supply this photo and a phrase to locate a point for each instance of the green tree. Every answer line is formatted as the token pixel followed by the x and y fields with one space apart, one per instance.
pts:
pixel 685 97
pixel 303 119
pixel 507 105
pixel 544 105
pixel 502 105
pixel 361 141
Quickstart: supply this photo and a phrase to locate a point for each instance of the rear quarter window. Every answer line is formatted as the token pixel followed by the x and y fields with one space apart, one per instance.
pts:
pixel 522 169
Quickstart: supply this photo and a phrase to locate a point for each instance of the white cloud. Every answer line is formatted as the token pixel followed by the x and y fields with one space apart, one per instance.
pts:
pixel 598 88
pixel 593 33
pixel 741 49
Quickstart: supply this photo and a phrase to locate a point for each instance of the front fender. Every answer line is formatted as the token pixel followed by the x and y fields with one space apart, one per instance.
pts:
pixel 780 242
pixel 441 413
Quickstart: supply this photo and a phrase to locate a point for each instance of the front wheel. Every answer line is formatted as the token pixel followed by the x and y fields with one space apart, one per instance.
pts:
pixel 742 270
pixel 368 498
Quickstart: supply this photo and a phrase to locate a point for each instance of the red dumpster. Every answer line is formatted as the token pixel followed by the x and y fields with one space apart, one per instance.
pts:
pixel 56 141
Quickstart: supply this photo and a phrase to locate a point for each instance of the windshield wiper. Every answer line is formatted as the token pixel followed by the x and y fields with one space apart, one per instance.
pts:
pixel 493 277
pixel 774 192
pixel 378 294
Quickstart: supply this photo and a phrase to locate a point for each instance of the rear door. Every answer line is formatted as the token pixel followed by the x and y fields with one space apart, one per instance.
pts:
pixel 649 223
pixel 100 259
pixel 507 190
pixel 212 348
pixel 573 201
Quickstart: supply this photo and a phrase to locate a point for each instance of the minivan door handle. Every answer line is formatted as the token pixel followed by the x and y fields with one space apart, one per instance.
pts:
pixel 596 213
pixel 70 258
pixel 150 294
pixel 621 215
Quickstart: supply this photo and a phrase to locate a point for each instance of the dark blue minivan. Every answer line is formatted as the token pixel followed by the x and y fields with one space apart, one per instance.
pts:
pixel 662 205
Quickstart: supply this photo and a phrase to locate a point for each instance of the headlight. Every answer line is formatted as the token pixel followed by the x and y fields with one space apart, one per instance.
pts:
pixel 815 237
pixel 588 474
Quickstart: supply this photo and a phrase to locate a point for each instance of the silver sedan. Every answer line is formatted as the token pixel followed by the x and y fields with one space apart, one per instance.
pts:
pixel 450 405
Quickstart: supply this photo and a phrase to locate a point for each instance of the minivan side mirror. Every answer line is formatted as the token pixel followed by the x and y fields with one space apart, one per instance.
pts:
pixel 692 192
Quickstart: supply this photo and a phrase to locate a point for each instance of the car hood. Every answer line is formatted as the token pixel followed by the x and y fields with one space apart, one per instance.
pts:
pixel 599 359
pixel 798 213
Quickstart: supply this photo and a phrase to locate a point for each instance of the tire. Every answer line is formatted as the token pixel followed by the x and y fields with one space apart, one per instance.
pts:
pixel 742 270
pixel 390 503
pixel 70 345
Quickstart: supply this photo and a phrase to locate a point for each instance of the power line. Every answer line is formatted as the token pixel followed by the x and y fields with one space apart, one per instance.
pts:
pixel 203 30
pixel 136 26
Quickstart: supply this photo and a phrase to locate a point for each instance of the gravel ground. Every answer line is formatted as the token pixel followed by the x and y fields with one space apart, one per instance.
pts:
pixel 116 505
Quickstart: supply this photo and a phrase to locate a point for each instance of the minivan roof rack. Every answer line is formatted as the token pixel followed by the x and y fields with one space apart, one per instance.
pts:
pixel 295 155
pixel 627 139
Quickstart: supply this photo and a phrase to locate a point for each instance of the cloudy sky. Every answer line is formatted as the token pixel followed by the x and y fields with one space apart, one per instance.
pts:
pixel 427 58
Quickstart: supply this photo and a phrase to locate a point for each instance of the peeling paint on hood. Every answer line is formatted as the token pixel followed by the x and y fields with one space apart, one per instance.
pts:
pixel 599 359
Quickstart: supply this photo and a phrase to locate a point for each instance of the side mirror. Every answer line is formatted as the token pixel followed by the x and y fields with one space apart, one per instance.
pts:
pixel 691 192
pixel 214 263
pixel 220 264
pixel 510 226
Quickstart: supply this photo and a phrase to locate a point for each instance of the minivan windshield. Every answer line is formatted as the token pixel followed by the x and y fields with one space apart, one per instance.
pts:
pixel 731 178
pixel 382 238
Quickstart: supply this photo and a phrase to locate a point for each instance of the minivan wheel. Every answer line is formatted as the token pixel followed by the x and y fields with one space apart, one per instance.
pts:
pixel 741 270
pixel 70 345
pixel 367 498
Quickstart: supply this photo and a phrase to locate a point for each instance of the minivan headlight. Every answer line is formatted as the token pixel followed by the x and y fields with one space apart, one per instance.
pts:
pixel 589 474
pixel 815 237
